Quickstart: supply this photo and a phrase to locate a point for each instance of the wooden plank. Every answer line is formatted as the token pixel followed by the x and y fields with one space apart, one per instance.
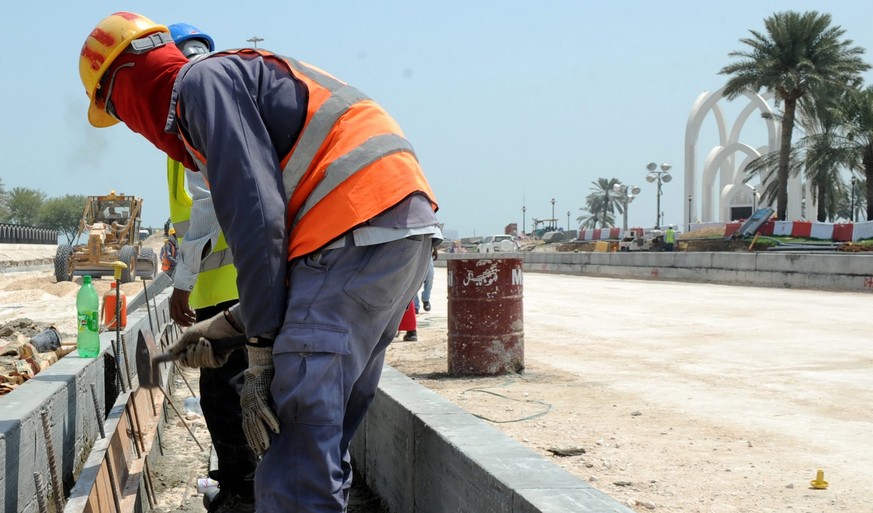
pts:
pixel 93 491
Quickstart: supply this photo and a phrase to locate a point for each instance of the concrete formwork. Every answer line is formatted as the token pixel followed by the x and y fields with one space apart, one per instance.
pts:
pixel 64 391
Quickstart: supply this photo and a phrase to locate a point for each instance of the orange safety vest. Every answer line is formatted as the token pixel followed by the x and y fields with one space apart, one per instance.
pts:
pixel 339 175
pixel 168 255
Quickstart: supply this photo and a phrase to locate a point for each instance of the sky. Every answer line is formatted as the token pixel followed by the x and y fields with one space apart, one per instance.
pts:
pixel 508 104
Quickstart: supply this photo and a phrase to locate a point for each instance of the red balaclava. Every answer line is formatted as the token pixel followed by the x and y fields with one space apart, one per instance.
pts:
pixel 141 96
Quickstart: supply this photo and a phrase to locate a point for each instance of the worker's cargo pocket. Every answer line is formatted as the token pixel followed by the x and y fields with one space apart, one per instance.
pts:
pixel 308 385
pixel 384 273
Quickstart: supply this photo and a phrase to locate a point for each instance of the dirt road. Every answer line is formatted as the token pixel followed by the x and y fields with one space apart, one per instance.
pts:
pixel 684 397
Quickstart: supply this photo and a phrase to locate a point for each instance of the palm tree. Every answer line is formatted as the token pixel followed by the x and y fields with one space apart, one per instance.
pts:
pixel 838 133
pixel 856 112
pixel 822 126
pixel 844 203
pixel 603 200
pixel 800 53
pixel 595 215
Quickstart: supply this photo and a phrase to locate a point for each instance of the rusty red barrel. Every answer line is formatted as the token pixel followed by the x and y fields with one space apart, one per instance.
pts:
pixel 486 324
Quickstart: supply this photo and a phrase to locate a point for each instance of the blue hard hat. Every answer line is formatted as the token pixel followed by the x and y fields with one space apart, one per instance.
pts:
pixel 182 32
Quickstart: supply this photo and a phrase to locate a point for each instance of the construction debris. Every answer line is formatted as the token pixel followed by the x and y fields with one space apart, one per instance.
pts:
pixel 27 348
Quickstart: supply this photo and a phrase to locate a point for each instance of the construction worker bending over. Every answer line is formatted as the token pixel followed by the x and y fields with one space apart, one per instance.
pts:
pixel 204 285
pixel 328 215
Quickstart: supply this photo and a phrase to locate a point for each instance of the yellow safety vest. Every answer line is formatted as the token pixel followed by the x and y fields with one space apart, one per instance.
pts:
pixel 216 282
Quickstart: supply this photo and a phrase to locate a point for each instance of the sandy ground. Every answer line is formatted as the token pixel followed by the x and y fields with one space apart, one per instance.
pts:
pixel 183 463
pixel 683 397
pixel 34 298
pixel 36 295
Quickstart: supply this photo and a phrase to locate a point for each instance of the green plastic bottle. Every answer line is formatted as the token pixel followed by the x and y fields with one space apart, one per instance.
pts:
pixel 87 307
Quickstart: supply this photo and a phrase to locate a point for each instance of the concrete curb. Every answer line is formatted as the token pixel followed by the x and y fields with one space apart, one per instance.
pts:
pixel 422 454
pixel 810 270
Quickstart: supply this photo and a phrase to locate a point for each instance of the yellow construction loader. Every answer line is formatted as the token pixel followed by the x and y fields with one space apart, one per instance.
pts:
pixel 111 224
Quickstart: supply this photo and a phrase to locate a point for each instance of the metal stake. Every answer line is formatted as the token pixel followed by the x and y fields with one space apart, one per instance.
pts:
pixel 138 430
pixel 119 266
pixel 169 336
pixel 148 306
pixel 150 490
pixel 182 375
pixel 112 483
pixel 122 344
pixel 40 493
pixel 98 411
pixel 160 441
pixel 115 353
pixel 132 431
pixel 57 485
pixel 178 414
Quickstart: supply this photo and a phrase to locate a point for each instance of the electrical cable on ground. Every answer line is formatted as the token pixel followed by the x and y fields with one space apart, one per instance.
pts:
pixel 531 401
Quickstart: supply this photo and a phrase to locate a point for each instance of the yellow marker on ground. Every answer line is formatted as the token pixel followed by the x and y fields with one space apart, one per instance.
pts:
pixel 819 483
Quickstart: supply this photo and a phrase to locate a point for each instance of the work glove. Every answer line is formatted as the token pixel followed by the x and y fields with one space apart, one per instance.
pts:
pixel 194 349
pixel 257 417
pixel 200 354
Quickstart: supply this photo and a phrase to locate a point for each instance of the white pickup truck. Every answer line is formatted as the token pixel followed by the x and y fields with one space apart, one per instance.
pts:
pixel 641 240
pixel 497 244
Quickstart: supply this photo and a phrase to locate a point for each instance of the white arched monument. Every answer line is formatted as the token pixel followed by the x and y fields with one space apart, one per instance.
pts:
pixel 716 189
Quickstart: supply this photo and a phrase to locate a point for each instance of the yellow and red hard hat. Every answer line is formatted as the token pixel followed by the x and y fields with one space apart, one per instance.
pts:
pixel 108 39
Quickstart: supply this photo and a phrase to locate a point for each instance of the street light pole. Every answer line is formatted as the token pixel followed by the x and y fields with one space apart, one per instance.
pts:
pixel 628 193
pixel 853 198
pixel 689 212
pixel 523 220
pixel 255 40
pixel 554 222
pixel 662 176
pixel 568 220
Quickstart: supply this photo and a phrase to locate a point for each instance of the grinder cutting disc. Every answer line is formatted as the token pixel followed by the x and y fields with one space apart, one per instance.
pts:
pixel 148 358
pixel 146 368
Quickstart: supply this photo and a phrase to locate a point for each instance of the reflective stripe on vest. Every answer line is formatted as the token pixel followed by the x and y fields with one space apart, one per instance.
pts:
pixel 368 153
pixel 367 168
pixel 216 281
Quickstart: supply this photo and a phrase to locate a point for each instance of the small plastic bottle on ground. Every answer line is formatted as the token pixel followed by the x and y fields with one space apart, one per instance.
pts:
pixel 87 307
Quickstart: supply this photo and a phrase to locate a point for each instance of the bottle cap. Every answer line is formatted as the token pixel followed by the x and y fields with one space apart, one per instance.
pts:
pixel 86 279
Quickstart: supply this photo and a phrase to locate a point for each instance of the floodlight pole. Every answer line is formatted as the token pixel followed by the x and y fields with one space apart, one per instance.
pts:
pixel 660 176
